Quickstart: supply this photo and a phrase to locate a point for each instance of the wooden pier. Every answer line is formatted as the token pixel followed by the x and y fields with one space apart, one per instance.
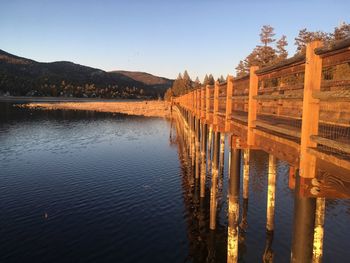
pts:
pixel 297 111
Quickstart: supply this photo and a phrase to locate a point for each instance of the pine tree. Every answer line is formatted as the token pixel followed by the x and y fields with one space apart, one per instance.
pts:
pixel 197 83
pixel 211 80
pixel 241 69
pixel 267 34
pixel 281 48
pixel 187 82
pixel 206 80
pixel 341 32
pixel 306 36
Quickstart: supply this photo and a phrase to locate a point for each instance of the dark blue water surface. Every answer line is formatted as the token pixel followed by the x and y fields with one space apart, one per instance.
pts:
pixel 95 187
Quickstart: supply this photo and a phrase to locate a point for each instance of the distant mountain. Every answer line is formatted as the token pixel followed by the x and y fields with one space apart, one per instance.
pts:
pixel 22 76
pixel 147 78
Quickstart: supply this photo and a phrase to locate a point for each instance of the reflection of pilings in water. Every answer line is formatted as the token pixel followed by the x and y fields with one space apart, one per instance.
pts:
pixel 196 214
pixel 244 222
pixel 171 131
pixel 222 153
pixel 233 205
pixel 303 225
pixel 319 230
pixel 214 181
pixel 270 213
pixel 204 245
pixel 185 143
pixel 189 136
pixel 193 142
pixel 271 189
pixel 268 252
pixel 203 160
pixel 211 246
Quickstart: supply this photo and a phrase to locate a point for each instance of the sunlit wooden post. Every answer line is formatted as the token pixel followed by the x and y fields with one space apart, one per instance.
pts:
pixel 203 101
pixel 214 181
pixel 246 158
pixel 208 105
pixel 204 132
pixel 319 230
pixel 233 204
pixel 193 134
pixel 252 105
pixel 210 141
pixel 203 160
pixel 305 208
pixel 229 107
pixel 252 112
pixel 215 115
pixel 311 107
pixel 270 211
pixel 197 146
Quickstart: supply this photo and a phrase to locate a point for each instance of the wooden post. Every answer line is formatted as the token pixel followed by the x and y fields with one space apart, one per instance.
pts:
pixel 197 147
pixel 229 94
pixel 246 153
pixel 207 101
pixel 190 134
pixel 214 182
pixel 252 105
pixel 216 104
pixel 303 226
pixel 202 114
pixel 222 153
pixel 319 230
pixel 271 189
pixel 312 82
pixel 203 160
pixel 244 222
pixel 210 140
pixel 233 206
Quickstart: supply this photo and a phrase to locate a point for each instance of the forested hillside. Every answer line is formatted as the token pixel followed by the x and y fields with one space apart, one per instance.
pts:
pixel 24 77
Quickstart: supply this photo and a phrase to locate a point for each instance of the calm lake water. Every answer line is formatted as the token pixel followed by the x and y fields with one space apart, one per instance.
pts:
pixel 96 187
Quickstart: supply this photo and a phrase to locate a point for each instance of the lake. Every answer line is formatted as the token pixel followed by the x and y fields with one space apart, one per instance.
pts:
pixel 82 186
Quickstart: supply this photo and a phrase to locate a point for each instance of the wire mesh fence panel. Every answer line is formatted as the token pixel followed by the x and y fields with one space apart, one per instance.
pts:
pixel 334 123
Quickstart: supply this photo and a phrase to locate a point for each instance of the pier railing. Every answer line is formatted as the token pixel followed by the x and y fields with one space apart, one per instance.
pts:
pixel 298 110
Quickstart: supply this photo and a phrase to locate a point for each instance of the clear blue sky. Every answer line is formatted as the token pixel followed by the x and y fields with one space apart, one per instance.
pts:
pixel 162 37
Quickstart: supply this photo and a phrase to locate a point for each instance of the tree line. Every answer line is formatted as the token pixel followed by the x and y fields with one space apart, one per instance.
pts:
pixel 268 52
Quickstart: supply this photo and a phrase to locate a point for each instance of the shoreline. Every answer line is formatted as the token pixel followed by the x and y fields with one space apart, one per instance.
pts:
pixel 63 99
pixel 151 108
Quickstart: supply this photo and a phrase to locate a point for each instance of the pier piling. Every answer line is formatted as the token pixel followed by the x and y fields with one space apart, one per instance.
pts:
pixel 233 205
